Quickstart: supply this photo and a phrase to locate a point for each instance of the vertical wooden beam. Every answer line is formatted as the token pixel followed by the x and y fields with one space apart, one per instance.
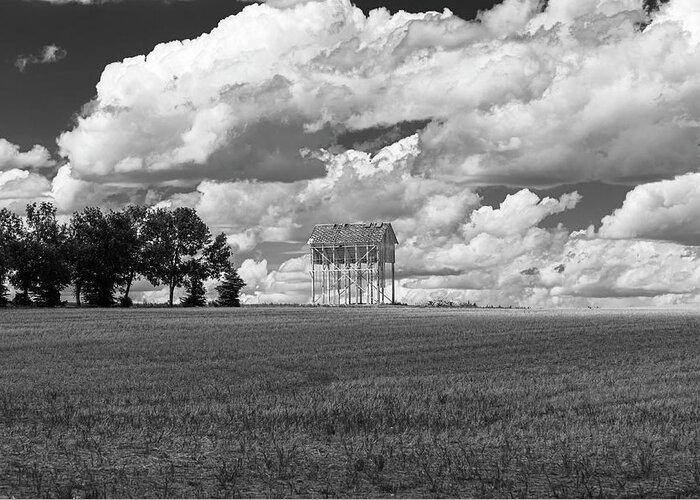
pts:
pixel 393 299
pixel 313 278
pixel 359 282
pixel 358 278
pixel 381 278
pixel 336 276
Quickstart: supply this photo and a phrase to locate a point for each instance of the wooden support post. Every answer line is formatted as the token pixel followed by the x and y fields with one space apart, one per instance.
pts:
pixel 383 284
pixel 338 277
pixel 393 299
pixel 359 283
pixel 313 278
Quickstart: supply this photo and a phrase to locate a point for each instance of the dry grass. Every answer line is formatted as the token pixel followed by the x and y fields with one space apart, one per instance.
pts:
pixel 349 402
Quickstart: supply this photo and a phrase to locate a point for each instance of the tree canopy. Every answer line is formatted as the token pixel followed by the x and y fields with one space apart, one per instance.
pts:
pixel 178 250
pixel 101 254
pixel 41 269
pixel 230 288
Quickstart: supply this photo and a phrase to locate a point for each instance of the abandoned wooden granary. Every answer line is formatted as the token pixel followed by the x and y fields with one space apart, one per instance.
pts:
pixel 349 263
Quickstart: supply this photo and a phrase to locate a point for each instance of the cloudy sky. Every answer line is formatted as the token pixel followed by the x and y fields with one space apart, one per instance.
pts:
pixel 527 152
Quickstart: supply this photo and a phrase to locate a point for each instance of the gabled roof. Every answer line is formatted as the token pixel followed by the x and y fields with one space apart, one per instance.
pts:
pixel 352 234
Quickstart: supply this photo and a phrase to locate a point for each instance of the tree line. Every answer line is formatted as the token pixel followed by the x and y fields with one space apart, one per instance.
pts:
pixel 101 254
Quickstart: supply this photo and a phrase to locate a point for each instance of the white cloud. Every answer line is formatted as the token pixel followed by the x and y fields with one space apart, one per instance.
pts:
pixel 517 213
pixel 531 266
pixel 19 187
pixel 12 157
pixel 253 273
pixel 70 194
pixel 451 247
pixel 161 295
pixel 484 254
pixel 49 54
pixel 600 268
pixel 289 284
pixel 244 125
pixel 357 186
pixel 666 210
pixel 576 93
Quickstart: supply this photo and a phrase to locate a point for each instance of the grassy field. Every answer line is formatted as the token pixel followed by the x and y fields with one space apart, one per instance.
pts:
pixel 400 402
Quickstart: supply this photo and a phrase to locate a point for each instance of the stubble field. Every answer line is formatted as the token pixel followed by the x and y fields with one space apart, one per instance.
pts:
pixel 358 402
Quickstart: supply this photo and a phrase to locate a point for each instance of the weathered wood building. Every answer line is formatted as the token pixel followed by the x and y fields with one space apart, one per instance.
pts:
pixel 349 263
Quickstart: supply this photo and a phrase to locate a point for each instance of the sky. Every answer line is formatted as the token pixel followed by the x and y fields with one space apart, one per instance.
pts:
pixel 528 153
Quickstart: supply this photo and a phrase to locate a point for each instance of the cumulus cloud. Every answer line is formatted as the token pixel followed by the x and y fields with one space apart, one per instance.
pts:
pixel 357 186
pixel 20 183
pixel 288 284
pixel 253 273
pixel 578 92
pixel 526 266
pixel 49 54
pixel 532 266
pixel 70 194
pixel 11 156
pixel 18 187
pixel 248 127
pixel 517 213
pixel 451 247
pixel 666 210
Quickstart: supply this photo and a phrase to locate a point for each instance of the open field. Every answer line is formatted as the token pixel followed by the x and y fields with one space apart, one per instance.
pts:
pixel 349 402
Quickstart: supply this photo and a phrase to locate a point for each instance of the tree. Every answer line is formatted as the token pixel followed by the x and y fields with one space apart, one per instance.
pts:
pixel 171 239
pixel 24 259
pixel 230 288
pixel 41 266
pixel 212 263
pixel 10 230
pixel 79 251
pixel 194 284
pixel 133 248
pixel 101 249
pixel 217 256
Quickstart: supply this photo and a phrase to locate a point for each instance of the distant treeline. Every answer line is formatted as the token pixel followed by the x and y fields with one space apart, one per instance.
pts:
pixel 102 253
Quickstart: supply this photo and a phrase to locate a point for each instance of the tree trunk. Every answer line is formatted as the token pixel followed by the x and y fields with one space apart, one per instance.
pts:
pixel 172 290
pixel 128 285
pixel 78 288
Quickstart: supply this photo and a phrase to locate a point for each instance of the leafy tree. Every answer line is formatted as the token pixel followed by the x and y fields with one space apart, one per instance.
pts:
pixel 25 260
pixel 171 240
pixel 41 266
pixel 79 251
pixel 102 249
pixel 217 256
pixel 133 250
pixel 178 250
pixel 212 263
pixel 194 285
pixel 97 255
pixel 230 288
pixel 10 230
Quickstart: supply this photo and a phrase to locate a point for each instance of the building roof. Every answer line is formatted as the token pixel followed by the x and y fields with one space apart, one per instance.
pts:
pixel 352 234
